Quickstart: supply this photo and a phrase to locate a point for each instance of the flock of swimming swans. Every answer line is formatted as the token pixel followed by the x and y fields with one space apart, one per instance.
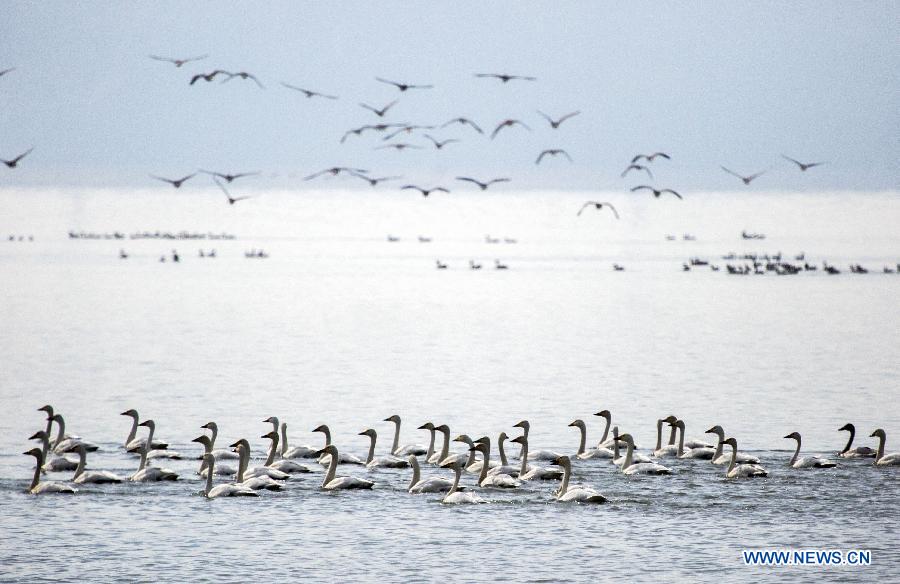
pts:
pixel 281 462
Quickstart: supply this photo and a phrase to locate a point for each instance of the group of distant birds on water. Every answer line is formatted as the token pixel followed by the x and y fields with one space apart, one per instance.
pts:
pixel 281 464
pixel 639 163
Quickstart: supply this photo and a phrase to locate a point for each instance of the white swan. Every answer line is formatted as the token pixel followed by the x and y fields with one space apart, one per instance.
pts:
pixel 546 455
pixel 606 440
pixel 503 467
pixel 578 493
pixel 220 469
pixel 807 461
pixel 456 496
pixel 324 459
pixel 303 451
pixel 697 452
pixel 719 458
pixel 57 463
pixel 48 409
pixel 62 444
pixel 288 466
pixel 498 481
pixel 92 476
pixel 226 490
pixel 332 482
pixel 670 449
pixel 417 485
pixel 133 444
pixel 389 461
pixel 470 462
pixel 445 456
pixel 157 453
pixel 882 459
pixel 146 473
pixel 257 471
pixel 619 460
pixel 37 487
pixel 256 483
pixel 741 470
pixel 430 427
pixel 630 467
pixel 396 449
pixel 534 473
pixel 859 451
pixel 583 452
pixel 219 453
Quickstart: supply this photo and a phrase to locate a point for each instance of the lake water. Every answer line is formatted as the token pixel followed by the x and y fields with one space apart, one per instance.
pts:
pixel 341 326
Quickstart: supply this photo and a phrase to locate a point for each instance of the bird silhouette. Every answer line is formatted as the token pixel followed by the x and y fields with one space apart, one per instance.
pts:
pixel 598 205
pixel 650 157
pixel 508 123
pixel 399 146
pixel 231 200
pixel 803 165
pixel 379 112
pixel 439 144
pixel 208 77
pixel 747 179
pixel 656 193
pixel 174 182
pixel 308 93
pixel 637 167
pixel 336 170
pixel 552 152
pixel 229 177
pixel 178 62
pixel 425 192
pixel 15 161
pixel 374 181
pixel 555 123
pixel 243 75
pixel 482 185
pixel 464 122
pixel 407 129
pixel 403 86
pixel 504 78
pixel 361 129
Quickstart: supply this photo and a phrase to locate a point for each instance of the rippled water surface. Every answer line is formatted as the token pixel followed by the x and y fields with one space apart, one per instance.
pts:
pixel 340 326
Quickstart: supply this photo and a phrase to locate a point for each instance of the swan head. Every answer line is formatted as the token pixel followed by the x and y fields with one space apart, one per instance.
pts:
pixel 562 461
pixel 395 419
pixel 523 424
pixel 210 426
pixel 879 433
pixel 238 443
pixel 670 420
pixel 479 447
pixel 39 435
pixel 321 428
pixel 426 426
pixel 56 418
pixel 271 420
pixel 519 440
pixel 502 437
pixel 454 464
pixel 270 435
pixel 330 449
pixel 731 442
pixel 848 427
pixel 35 452
pixel 626 438
pixel 149 423
pixel 48 409
pixel 716 430
pixel 204 440
pixel 464 438
pixel 615 433
pixel 604 414
pixel 370 433
pixel 794 435
pixel 578 424
pixel 443 428
pixel 484 440
pixel 679 424
pixel 130 413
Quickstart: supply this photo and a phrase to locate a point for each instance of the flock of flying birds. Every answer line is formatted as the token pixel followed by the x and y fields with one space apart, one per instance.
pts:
pixel 641 163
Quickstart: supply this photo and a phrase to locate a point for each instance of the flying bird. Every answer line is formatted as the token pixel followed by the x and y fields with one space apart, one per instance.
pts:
pixel 508 124
pixel 231 200
pixel 464 122
pixel 400 146
pixel 375 181
pixel 656 193
pixel 243 75
pixel 482 185
pixel 598 205
pixel 425 192
pixel 408 128
pixel 803 166
pixel 637 167
pixel 441 143
pixel 361 129
pixel 747 179
pixel 174 182
pixel 379 112
pixel 178 62
pixel 208 76
pixel 650 157
pixel 403 86
pixel 555 123
pixel 552 152
pixel 229 177
pixel 308 93
pixel 15 161
pixel 336 170
pixel 504 78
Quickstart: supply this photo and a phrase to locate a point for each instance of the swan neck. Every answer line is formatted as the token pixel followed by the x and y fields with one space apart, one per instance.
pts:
pixel 605 430
pixel 485 465
pixel 672 435
pixel 152 429
pixel 395 446
pixel 455 487
pixel 133 432
pixel 850 441
pixel 37 472
pixel 583 443
pixel 430 445
pixel 62 430
pixel 273 448
pixel 209 479
pixel 445 447
pixel 796 454
pixel 718 447
pixel 524 467
pixel 284 442
pixel 502 452
pixel 212 439
pixel 371 455
pixel 658 435
pixel 629 454
pixel 243 461
pixel 567 473
pixel 332 468
pixel 82 461
pixel 327 433
pixel 45 445
pixel 143 463
pixel 733 459
pixel 681 440
pixel 417 474
pixel 881 441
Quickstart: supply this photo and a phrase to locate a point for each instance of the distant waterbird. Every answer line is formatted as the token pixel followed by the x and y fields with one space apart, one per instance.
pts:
pixel 336 170
pixel 403 86
pixel 464 122
pixel 425 192
pixel 650 157
pixel 598 205
pixel 505 78
pixel 229 177
pixel 12 163
pixel 231 200
pixel 308 92
pixel 178 62
pixel 552 152
pixel 746 179
pixel 804 166
pixel 482 185
pixel 508 123
pixel 379 112
pixel 555 123
pixel 174 182
pixel 656 192
pixel 631 167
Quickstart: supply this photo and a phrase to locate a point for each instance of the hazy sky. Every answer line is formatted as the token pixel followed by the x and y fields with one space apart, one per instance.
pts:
pixel 711 83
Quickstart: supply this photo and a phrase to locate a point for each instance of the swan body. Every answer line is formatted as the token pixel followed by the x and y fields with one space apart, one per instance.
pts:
pixel 807 461
pixel 455 496
pixel 585 453
pixel 389 461
pixel 57 463
pixel 285 466
pixel 670 449
pixel 545 455
pixel 160 453
pixel 535 473
pixel 219 453
pixel 92 476
pixel 696 452
pixel 417 485
pixel 629 467
pixel 63 445
pixel 47 487
pixel 325 459
pixel 294 451
pixel 859 451
pixel 579 493
pixel 882 459
pixel 498 481
pixel 504 467
pixel 396 449
pixel 739 471
pixel 255 483
pixel 220 469
pixel 226 490
pixel 636 457
pixel 332 482
pixel 133 444
pixel 720 458
pixel 147 474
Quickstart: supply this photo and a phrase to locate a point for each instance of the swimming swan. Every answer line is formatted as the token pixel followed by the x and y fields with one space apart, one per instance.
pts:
pixel 325 459
pixel 807 461
pixel 220 469
pixel 742 470
pixel 396 449
pixel 485 480
pixel 583 452
pixel 605 441
pixel 156 452
pixel 698 452
pixel 219 453
pixel 578 493
pixel 63 444
pixel 882 459
pixel 619 460
pixel 288 466
pixel 91 476
pixel 455 496
pixel 629 467
pixel 226 490
pixel 146 473
pixel 547 455
pixel 430 452
pixel 57 463
pixel 133 444
pixel 37 487
pixel 48 409
pixel 389 461
pixel 670 449
pixel 445 455
pixel 332 482
pixel 417 485
pixel 295 451
pixel 859 451
pixel 534 473
pixel 719 458
pixel 503 467
pixel 257 471
pixel 256 483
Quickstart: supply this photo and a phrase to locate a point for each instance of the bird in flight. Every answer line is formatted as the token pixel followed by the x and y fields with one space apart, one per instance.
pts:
pixel 403 86
pixel 178 62
pixel 552 152
pixel 174 182
pixel 507 124
pixel 229 177
pixel 598 205
pixel 361 129
pixel 408 128
pixel 336 170
pixel 440 143
pixel 464 122
pixel 399 146
pixel 504 78
pixel 482 185
pixel 307 92
pixel 650 157
pixel 747 179
pixel 375 181
pixel 5 71
pixel 555 123
pixel 656 193
pixel 15 161
pixel 243 75
pixel 208 76
pixel 425 192
pixel 637 167
pixel 231 200
pixel 379 112
pixel 803 165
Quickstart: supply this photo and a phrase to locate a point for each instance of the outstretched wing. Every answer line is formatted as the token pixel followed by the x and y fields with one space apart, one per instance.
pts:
pixel 541 156
pixel 585 206
pixel 394 83
pixel 655 154
pixel 567 116
pixel 671 191
pixel 638 157
pixel 497 180
pixel 639 187
pixel 731 172
pixel 472 180
pixel 797 162
pixel 567 155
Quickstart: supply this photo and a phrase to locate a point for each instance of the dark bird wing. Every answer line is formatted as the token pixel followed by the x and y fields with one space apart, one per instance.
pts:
pixel 168 180
pixel 567 116
pixel 394 83
pixel 414 187
pixel 240 174
pixel 545 116
pixel 22 155
pixel 731 172
pixel 498 180
pixel 671 191
pixel 5 71
pixel 797 162
pixel 585 206
pixel 499 127
pixel 655 154
pixel 638 157
pixel 613 209
pixel 442 189
pixel 472 180
pixel 157 58
pixel 566 155
pixel 644 187
pixel 523 124
pixel 315 174
pixel 541 156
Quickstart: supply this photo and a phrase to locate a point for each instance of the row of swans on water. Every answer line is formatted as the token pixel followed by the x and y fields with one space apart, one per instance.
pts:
pixel 280 464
